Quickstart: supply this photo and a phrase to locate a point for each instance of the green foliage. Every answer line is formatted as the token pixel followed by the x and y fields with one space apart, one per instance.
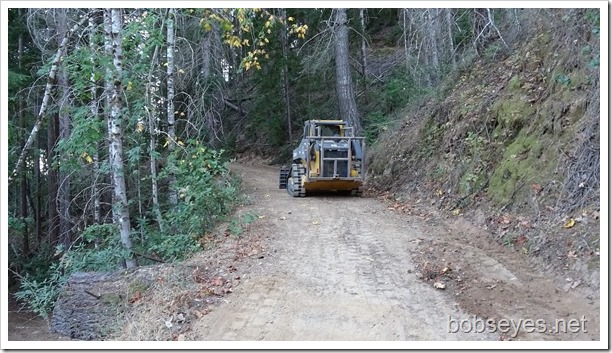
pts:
pixel 172 247
pixel 40 295
pixel 463 33
pixel 519 167
pixel 374 124
pixel 431 134
pixel 205 190
pixel 399 90
pixel 563 79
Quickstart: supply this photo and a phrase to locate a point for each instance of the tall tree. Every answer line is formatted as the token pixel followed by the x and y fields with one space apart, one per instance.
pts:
pixel 285 45
pixel 24 178
pixel 93 109
pixel 65 102
pixel 172 193
pixel 344 82
pixel 114 93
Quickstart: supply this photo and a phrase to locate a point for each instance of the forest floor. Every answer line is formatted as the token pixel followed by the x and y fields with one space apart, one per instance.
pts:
pixel 330 267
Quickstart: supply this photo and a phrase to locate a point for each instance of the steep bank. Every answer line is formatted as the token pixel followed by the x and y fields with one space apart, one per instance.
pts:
pixel 511 140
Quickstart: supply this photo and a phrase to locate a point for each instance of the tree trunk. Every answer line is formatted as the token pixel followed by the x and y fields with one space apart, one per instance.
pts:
pixel 63 197
pixel 38 192
pixel 23 187
pixel 432 30
pixel 449 24
pixel 364 57
pixel 121 211
pixel 284 43
pixel 172 196
pixel 153 143
pixel 344 83
pixel 46 97
pixel 93 108
pixel 52 217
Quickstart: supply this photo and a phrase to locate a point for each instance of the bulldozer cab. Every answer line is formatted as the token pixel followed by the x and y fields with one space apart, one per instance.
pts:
pixel 327 128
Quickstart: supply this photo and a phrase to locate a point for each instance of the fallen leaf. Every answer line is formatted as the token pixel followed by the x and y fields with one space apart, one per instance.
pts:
pixel 569 223
pixel 316 222
pixel 283 218
pixel 456 211
pixel 576 284
pixel 439 285
pixel 262 216
pixel 135 297
pixel 217 281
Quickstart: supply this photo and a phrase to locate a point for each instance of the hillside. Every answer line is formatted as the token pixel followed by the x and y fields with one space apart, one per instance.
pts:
pixel 511 141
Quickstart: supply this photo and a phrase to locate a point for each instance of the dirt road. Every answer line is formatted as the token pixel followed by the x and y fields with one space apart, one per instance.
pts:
pixel 336 268
pixel 346 268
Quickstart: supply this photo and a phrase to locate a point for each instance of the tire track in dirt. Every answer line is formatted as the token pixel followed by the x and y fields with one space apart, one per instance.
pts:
pixel 338 269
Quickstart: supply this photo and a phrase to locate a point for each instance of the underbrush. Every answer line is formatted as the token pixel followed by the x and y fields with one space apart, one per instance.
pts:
pixel 207 195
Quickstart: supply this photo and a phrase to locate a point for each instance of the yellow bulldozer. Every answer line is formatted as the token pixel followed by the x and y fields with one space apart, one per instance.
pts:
pixel 329 158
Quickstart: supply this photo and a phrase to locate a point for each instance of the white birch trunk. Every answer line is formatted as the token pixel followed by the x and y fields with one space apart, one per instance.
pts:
pixel 121 212
pixel 173 198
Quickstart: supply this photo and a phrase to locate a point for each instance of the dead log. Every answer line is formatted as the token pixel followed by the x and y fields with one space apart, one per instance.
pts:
pixel 92 304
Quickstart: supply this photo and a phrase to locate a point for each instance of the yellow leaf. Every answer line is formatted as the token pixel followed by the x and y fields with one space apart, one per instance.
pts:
pixel 87 157
pixel 290 19
pixel 181 71
pixel 129 86
pixel 569 223
pixel 180 143
pixel 165 64
pixel 167 142
pixel 456 211
pixel 182 114
pixel 140 126
pixel 316 222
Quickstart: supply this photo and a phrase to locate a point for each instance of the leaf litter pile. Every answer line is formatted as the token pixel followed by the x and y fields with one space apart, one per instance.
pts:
pixel 185 292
